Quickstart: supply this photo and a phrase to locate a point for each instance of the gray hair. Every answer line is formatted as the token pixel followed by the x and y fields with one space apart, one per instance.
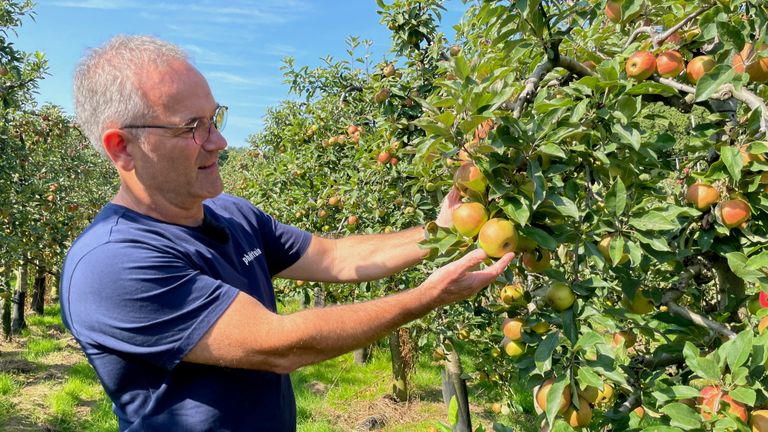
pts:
pixel 105 84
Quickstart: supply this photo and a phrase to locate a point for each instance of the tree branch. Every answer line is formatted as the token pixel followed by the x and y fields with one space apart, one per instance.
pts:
pixel 638 32
pixel 531 87
pixel 669 300
pixel 659 39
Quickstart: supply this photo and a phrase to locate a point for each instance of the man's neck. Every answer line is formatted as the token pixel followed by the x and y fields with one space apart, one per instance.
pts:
pixel 159 208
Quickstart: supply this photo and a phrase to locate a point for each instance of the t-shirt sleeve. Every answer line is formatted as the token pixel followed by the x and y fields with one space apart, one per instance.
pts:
pixel 283 244
pixel 143 302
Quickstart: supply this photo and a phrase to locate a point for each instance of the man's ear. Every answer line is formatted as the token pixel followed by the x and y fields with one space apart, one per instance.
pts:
pixel 115 142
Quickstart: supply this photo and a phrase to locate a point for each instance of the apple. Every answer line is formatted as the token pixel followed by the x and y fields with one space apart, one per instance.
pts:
pixel 389 70
pixel 613 11
pixel 641 65
pixel 454 50
pixel 702 195
pixel 513 328
pixel 541 396
pixel 382 95
pixel 669 64
pixel 393 161
pixel 604 246
pixel 383 157
pixel 469 178
pixel 352 129
pixel 352 220
pixel 579 417
pixel 334 201
pixel 759 421
pixel 626 338
pixel 756 64
pixel 540 327
pixel 606 394
pixel 590 394
pixel 640 411
pixel 761 326
pixel 674 39
pixel 496 408
pixel 734 212
pixel 639 304
pixel 525 244
pixel 763 299
pixel 536 261
pixel 322 214
pixel 560 296
pixel 497 237
pixel 589 64
pixel 711 400
pixel 511 294
pixel 747 157
pixel 468 218
pixel 698 67
pixel 513 348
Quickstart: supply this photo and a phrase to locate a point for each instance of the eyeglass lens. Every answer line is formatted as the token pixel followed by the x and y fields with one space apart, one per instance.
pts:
pixel 202 130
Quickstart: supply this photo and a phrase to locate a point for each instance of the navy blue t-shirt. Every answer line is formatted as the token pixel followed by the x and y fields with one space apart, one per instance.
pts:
pixel 138 294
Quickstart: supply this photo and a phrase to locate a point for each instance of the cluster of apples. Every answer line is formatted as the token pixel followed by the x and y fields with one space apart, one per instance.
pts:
pixel 352 135
pixel 588 397
pixel 387 156
pixel 733 212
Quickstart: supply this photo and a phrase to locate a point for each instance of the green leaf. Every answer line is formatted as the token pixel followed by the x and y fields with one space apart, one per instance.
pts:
pixel 736 351
pixel 587 340
pixel 650 87
pixel 654 221
pixel 628 135
pixel 540 237
pixel 737 262
pixel 587 376
pixel 554 397
pixel 732 160
pixel 744 395
pixel 564 206
pixel 453 411
pixel 730 35
pixel 543 355
pixel 682 416
pixel 658 243
pixel 711 82
pixel 516 210
pixel 552 150
pixel 616 198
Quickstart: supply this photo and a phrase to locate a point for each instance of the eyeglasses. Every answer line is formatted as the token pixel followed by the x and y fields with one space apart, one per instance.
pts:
pixel 201 130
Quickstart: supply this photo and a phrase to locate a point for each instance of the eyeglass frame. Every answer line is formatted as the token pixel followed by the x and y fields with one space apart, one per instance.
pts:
pixel 192 127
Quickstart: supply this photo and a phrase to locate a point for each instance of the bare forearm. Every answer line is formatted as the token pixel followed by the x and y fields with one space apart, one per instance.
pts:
pixel 363 258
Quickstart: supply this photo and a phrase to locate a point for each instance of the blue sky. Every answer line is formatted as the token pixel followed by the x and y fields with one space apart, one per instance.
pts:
pixel 238 44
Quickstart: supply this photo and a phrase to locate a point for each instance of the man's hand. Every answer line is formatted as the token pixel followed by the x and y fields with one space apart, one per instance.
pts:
pixel 456 281
pixel 450 202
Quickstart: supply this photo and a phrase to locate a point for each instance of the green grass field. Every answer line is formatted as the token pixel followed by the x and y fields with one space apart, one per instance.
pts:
pixel 46 384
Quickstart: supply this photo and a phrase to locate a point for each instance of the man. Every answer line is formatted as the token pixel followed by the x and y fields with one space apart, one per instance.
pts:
pixel 169 290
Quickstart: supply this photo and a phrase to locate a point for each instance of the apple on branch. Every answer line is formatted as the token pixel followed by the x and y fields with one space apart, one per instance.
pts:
pixel 641 65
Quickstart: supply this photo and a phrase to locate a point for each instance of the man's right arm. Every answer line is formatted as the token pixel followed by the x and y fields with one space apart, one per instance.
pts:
pixel 248 335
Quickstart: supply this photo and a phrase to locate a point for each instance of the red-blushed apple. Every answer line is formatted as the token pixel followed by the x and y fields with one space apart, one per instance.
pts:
pixel 536 261
pixel 383 157
pixel 753 62
pixel 698 67
pixel 513 348
pixel 613 11
pixel 468 218
pixel 641 65
pixel 762 324
pixel 497 237
pixel 702 195
pixel 541 396
pixel 712 399
pixel 513 328
pixel 469 178
pixel 670 63
pixel 734 212
pixel 580 417
pixel 763 299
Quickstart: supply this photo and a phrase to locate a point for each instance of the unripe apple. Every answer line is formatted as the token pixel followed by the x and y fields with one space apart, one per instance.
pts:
pixel 536 261
pixel 468 218
pixel 670 63
pixel 756 64
pixel 641 65
pixel 511 294
pixel 698 67
pixel 497 237
pixel 734 212
pixel 606 394
pixel 541 396
pixel 579 417
pixel 525 244
pixel 382 95
pixel 761 326
pixel 560 296
pixel 590 394
pixel 389 70
pixel 639 304
pixel 454 50
pixel 513 328
pixel 604 247
pixel 513 348
pixel 627 338
pixel 469 177
pixel 702 195
pixel 540 327
pixel 747 157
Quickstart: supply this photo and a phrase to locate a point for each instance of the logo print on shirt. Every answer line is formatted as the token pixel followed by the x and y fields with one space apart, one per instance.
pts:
pixel 250 256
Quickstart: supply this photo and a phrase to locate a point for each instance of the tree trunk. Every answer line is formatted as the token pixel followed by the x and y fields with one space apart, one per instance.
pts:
pixel 56 280
pixel 730 287
pixel 319 296
pixel 6 300
pixel 399 365
pixel 38 291
pixel 455 386
pixel 19 299
pixel 362 355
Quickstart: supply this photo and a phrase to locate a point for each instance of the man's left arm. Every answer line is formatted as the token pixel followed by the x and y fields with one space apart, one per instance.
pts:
pixel 366 257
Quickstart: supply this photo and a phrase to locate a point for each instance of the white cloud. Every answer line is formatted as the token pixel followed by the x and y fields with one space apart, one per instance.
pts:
pixel 239 80
pixel 206 56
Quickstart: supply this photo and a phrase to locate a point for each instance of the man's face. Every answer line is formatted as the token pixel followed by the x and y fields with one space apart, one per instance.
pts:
pixel 169 164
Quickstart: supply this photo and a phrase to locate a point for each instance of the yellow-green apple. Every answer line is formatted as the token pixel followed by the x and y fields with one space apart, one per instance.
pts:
pixel 639 304
pixel 382 95
pixel 759 421
pixel 497 237
pixel 590 394
pixel 702 195
pixel 511 294
pixel 762 325
pixel 469 177
pixel 734 212
pixel 670 63
pixel 525 244
pixel 627 338
pixel 540 327
pixel 469 217
pixel 454 50
pixel 753 62
pixel 580 417
pixel 537 260
pixel 604 246
pixel 698 67
pixel 640 65
pixel 513 348
pixel 541 396
pixel 559 296
pixel 389 70
pixel 513 328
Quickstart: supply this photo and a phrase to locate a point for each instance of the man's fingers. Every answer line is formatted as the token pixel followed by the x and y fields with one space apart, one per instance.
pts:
pixel 471 259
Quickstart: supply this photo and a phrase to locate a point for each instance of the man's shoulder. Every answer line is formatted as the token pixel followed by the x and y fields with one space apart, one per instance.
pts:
pixel 230 205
